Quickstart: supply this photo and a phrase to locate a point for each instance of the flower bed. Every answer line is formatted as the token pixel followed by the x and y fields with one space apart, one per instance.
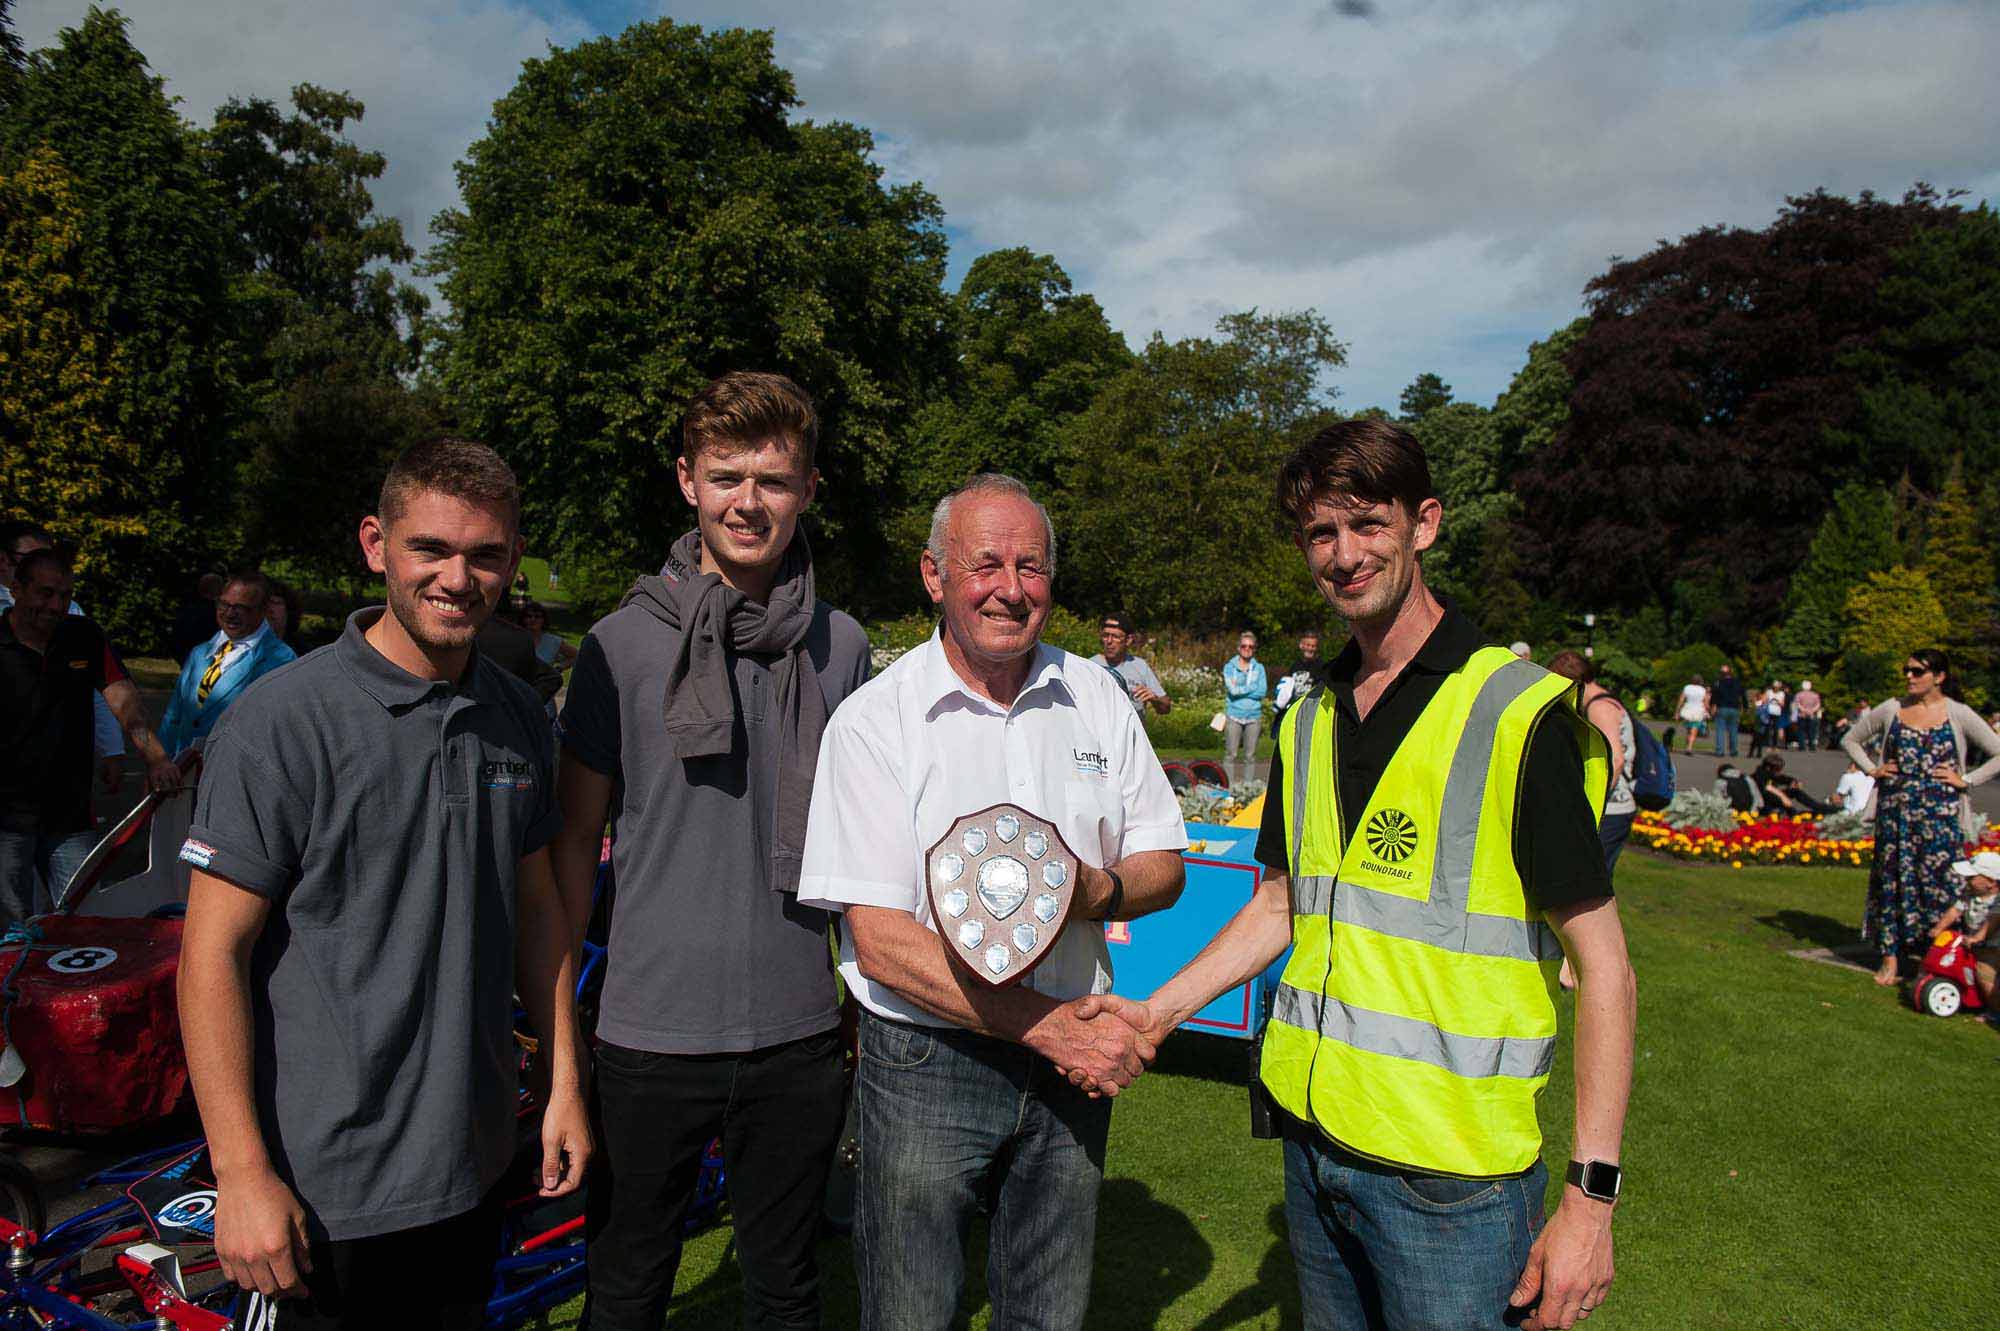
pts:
pixel 1765 840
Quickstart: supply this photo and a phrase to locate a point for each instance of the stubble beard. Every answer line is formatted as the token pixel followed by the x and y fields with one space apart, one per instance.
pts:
pixel 408 609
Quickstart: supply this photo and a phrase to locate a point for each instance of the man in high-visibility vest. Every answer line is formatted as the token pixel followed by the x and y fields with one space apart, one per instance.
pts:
pixel 1430 838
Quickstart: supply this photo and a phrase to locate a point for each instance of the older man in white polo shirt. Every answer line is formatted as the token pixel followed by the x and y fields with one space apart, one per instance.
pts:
pixel 962 1088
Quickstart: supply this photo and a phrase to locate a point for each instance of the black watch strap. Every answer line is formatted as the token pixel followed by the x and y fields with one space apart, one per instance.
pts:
pixel 1117 902
pixel 1599 1179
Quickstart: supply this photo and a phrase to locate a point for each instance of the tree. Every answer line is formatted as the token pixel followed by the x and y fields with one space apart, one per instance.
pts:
pixel 1033 353
pixel 1709 395
pixel 1892 613
pixel 1464 453
pixel 145 225
pixel 312 253
pixel 1857 537
pixel 1958 564
pixel 1425 395
pixel 1165 498
pixel 12 55
pixel 642 215
pixel 66 463
pixel 1535 406
pixel 1930 384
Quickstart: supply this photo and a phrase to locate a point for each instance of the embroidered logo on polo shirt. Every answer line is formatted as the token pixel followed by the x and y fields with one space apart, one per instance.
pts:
pixel 1090 764
pixel 197 853
pixel 507 774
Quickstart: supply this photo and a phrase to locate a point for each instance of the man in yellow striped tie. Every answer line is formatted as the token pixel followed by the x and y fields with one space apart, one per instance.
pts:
pixel 216 672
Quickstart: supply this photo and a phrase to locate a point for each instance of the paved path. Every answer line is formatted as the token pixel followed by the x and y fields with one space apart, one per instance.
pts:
pixel 1819 771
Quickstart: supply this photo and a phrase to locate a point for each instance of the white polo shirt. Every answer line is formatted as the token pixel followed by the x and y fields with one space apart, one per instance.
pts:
pixel 914 749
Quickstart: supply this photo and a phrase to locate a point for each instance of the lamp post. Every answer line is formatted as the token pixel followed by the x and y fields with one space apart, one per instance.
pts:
pixel 1589 636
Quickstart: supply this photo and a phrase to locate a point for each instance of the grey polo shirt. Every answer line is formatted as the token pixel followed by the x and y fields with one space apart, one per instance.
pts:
pixel 385 817
pixel 704 956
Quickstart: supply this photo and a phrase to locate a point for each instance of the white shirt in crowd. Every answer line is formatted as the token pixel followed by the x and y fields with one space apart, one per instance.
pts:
pixel 915 749
pixel 1854 790
pixel 1694 703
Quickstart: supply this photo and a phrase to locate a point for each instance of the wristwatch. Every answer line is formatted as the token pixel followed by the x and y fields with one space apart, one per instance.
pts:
pixel 1599 1179
pixel 1117 902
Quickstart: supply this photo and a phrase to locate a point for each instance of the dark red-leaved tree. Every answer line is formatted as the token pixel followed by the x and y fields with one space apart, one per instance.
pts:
pixel 1702 439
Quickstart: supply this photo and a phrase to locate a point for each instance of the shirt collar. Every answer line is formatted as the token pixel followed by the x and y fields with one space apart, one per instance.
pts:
pixel 379 677
pixel 941 681
pixel 222 636
pixel 1451 643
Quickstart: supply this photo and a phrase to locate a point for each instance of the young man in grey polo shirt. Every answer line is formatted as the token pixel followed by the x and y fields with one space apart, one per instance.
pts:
pixel 371 887
pixel 697 707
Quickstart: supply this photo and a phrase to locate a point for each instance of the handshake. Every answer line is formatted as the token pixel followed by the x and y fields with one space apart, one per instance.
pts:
pixel 1102 1042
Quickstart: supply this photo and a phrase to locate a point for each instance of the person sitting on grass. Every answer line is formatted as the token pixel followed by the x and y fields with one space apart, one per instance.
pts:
pixel 1782 792
pixel 1973 913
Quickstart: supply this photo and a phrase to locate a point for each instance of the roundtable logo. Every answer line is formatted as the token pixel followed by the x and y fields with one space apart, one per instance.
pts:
pixel 1392 835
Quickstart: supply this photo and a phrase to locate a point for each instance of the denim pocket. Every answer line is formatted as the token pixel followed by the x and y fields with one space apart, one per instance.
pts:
pixel 895 1044
pixel 618 1058
pixel 1448 1194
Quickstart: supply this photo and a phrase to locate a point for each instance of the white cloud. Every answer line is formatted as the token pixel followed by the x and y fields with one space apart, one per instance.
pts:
pixel 1439 178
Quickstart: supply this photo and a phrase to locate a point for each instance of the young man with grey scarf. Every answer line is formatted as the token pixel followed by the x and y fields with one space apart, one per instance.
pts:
pixel 693 720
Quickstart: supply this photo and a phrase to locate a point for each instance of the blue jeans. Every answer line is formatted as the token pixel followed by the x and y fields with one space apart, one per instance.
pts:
pixel 948 1120
pixel 1726 719
pixel 33 865
pixel 1390 1251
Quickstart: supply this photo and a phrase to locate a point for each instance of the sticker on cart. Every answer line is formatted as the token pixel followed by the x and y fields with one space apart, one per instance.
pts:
pixel 191 1211
pixel 81 960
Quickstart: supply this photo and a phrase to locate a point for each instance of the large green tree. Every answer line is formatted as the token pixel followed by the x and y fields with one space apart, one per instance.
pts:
pixel 1425 394
pixel 643 214
pixel 1166 505
pixel 1463 448
pixel 1958 564
pixel 1857 537
pixel 331 329
pixel 1535 407
pixel 1930 384
pixel 1033 353
pixel 152 232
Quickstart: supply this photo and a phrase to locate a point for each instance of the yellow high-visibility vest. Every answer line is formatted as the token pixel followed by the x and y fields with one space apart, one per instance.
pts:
pixel 1415 1023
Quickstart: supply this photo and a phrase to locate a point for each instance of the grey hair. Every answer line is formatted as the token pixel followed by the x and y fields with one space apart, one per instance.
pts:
pixel 986 482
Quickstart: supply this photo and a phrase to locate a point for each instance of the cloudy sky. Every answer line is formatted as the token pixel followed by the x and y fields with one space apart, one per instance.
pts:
pixel 1439 178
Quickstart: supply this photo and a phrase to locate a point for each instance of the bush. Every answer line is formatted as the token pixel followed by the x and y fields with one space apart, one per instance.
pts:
pixel 1698 810
pixel 1845 826
pixel 1672 672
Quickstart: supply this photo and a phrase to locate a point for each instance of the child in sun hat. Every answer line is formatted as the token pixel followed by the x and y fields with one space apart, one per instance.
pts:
pixel 1974 913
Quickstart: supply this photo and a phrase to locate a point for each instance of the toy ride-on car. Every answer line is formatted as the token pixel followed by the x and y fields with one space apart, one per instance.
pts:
pixel 1945 982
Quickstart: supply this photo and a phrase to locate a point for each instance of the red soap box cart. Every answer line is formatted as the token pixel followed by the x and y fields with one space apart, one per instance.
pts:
pixel 90 1030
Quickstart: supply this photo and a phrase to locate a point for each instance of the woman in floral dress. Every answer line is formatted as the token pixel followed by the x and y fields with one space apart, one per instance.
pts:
pixel 1920 810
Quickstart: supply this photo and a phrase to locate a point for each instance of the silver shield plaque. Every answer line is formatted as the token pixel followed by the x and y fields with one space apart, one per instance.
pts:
pixel 1001 883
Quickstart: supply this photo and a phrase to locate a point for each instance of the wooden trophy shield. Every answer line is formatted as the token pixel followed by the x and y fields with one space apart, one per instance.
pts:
pixel 1001 883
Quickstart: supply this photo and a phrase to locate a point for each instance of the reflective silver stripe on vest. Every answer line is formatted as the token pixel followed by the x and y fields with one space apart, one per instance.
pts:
pixel 1443 920
pixel 1312 893
pixel 1405 1037
pixel 1301 770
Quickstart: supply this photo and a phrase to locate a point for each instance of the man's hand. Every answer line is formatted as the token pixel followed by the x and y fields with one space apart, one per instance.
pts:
pixel 1569 1267
pixel 1108 1055
pixel 566 1144
pixel 163 775
pixel 260 1235
pixel 111 772
pixel 1145 1024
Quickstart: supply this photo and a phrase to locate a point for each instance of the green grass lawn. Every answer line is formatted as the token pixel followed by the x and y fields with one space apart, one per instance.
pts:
pixel 1803 1150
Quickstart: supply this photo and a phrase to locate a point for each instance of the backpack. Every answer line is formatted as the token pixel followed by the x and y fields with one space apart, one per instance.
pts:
pixel 1652 770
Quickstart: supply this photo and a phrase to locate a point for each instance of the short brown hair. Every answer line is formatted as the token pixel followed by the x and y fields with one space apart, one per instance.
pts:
pixel 461 468
pixel 748 407
pixel 255 579
pixel 1368 461
pixel 1571 664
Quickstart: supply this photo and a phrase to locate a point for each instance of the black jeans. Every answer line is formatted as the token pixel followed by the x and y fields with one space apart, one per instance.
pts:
pixel 778 1111
pixel 436 1277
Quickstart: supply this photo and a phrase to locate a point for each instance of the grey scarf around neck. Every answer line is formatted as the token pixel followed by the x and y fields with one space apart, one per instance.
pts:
pixel 716 620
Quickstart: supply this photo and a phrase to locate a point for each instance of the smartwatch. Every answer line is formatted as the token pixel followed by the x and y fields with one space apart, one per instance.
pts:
pixel 1599 1179
pixel 1117 902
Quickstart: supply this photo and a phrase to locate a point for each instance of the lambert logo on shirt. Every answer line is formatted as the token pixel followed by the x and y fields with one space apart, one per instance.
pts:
pixel 1089 763
pixel 197 853
pixel 507 774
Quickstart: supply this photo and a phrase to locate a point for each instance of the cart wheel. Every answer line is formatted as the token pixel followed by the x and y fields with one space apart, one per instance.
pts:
pixel 1939 997
pixel 23 1195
